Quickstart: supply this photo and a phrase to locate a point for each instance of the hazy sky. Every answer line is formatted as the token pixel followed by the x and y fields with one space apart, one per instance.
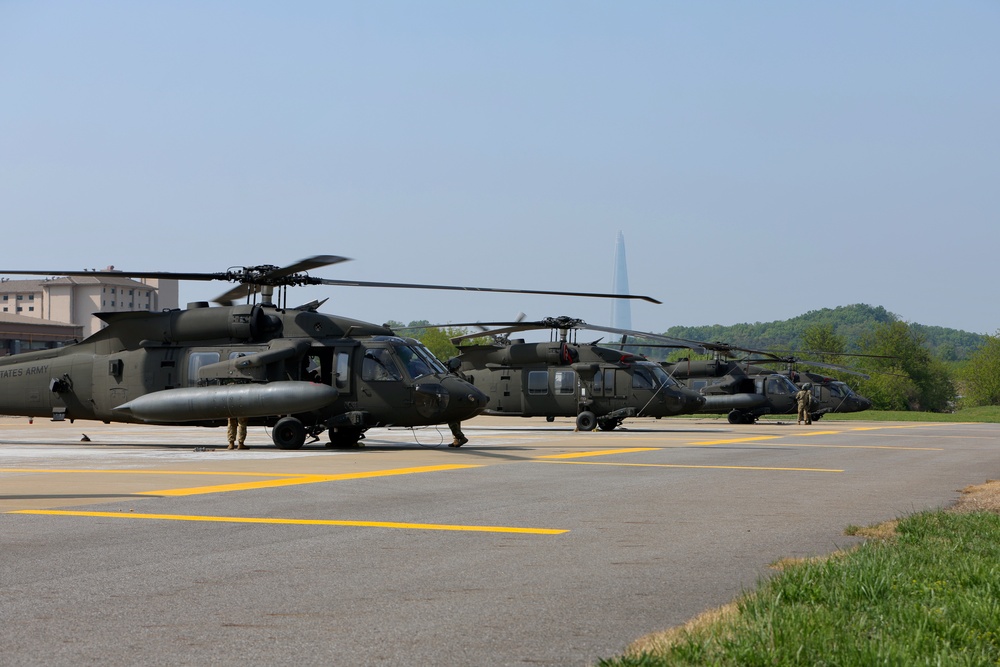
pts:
pixel 762 159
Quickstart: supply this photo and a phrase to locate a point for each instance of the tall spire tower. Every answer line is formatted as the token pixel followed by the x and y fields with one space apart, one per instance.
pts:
pixel 621 309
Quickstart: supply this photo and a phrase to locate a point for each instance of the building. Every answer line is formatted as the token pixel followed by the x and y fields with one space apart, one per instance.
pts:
pixel 23 334
pixel 43 309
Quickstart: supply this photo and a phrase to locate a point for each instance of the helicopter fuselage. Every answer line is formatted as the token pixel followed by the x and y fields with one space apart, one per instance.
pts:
pixel 599 386
pixel 203 365
pixel 746 393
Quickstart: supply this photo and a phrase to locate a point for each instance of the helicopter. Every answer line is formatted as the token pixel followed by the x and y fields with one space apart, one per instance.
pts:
pixel 599 386
pixel 293 369
pixel 746 389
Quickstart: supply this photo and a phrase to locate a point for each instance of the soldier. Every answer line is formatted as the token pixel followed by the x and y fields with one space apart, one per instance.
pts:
pixel 456 431
pixel 456 427
pixel 237 426
pixel 805 400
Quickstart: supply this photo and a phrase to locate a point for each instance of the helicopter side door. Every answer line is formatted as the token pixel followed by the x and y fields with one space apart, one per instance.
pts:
pixel 608 392
pixel 381 391
pixel 550 392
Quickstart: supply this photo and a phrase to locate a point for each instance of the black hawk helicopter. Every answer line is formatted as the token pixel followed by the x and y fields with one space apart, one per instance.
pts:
pixel 599 386
pixel 746 389
pixel 295 370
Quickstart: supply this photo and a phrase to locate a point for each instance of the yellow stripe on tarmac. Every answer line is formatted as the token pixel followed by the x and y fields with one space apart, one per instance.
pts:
pixel 603 452
pixel 301 522
pixel 130 471
pixel 914 449
pixel 734 440
pixel 916 425
pixel 301 479
pixel 285 479
pixel 806 434
pixel 676 465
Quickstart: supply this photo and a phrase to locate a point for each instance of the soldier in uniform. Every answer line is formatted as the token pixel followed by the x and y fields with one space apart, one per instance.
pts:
pixel 805 400
pixel 456 431
pixel 459 438
pixel 237 426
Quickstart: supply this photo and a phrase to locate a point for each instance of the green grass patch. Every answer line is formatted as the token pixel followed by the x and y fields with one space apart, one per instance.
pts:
pixel 928 595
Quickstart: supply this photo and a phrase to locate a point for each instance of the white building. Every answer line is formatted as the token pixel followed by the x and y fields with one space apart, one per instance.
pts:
pixel 74 300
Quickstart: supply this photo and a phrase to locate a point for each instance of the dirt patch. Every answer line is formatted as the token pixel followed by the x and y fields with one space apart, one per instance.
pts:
pixel 980 498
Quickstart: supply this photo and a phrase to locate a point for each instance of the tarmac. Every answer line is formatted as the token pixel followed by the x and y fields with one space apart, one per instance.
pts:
pixel 531 544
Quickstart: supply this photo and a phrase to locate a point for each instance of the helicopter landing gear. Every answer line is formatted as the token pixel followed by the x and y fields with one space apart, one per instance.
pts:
pixel 550 419
pixel 586 421
pixel 737 417
pixel 609 424
pixel 288 433
pixel 346 436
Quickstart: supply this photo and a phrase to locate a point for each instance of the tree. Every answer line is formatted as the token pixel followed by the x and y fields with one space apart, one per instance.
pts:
pixel 820 339
pixel 981 376
pixel 906 377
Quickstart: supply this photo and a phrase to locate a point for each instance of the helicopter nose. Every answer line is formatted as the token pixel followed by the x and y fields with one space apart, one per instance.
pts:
pixel 476 398
pixel 467 400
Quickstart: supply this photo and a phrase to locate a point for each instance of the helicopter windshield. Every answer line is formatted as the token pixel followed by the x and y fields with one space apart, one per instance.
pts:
pixel 651 375
pixel 779 384
pixel 419 361
pixel 840 390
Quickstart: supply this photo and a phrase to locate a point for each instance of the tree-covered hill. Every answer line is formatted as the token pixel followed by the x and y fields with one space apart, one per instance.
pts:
pixel 850 322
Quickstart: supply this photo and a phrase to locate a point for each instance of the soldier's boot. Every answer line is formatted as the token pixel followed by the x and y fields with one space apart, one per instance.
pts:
pixel 232 445
pixel 458 442
pixel 242 446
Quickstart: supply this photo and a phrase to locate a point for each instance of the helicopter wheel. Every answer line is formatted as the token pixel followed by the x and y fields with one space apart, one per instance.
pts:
pixel 550 419
pixel 737 417
pixel 608 424
pixel 346 437
pixel 586 421
pixel 288 433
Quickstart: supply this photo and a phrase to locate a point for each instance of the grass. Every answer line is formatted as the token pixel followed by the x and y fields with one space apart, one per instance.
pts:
pixel 924 590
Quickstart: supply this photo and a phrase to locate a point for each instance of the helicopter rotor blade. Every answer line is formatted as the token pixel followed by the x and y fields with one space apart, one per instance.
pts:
pixel 457 288
pixel 791 361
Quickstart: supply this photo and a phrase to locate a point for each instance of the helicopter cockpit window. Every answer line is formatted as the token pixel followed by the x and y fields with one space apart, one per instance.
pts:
pixel 343 370
pixel 196 361
pixel 642 378
pixel 378 366
pixel 419 361
pixel 660 376
pixel 840 390
pixel 779 384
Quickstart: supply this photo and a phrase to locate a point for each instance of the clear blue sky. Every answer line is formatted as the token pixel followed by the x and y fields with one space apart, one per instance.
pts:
pixel 762 159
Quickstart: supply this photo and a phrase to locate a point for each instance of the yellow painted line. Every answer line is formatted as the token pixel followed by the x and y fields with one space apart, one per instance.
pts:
pixel 302 479
pixel 915 449
pixel 916 425
pixel 733 440
pixel 129 471
pixel 284 479
pixel 807 434
pixel 301 522
pixel 675 465
pixel 602 452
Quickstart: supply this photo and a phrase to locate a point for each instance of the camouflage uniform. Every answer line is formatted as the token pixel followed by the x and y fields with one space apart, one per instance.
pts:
pixel 804 399
pixel 237 426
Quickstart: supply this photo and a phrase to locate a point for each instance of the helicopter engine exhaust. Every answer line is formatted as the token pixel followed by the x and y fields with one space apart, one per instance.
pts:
pixel 234 400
